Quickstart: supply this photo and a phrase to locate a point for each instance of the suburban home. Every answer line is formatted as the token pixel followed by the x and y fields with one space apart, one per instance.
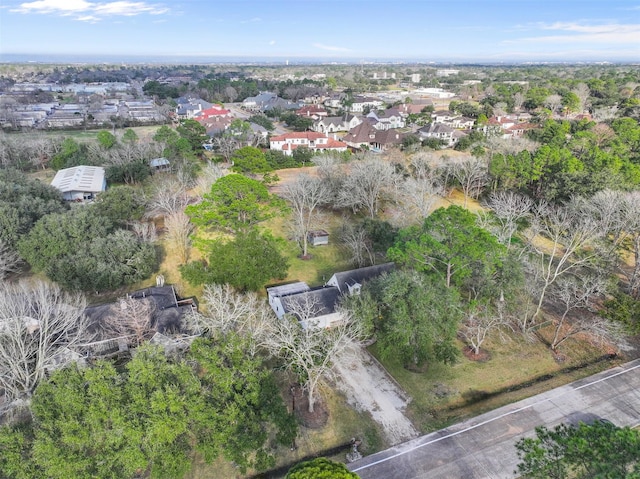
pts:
pixel 312 111
pixel 80 183
pixel 188 107
pixel 318 142
pixel 334 124
pixel 360 103
pixel 385 119
pixel 318 307
pixel 267 101
pixel 366 135
pixel 441 132
pixel 216 111
pixel 335 101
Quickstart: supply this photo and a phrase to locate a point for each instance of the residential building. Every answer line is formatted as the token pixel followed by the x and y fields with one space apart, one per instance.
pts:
pixel 366 135
pixel 334 124
pixel 315 141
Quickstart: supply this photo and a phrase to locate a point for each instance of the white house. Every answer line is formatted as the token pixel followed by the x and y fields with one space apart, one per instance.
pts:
pixel 80 182
pixel 315 141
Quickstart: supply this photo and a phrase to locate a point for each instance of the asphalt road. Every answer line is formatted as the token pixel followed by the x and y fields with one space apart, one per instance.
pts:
pixel 483 447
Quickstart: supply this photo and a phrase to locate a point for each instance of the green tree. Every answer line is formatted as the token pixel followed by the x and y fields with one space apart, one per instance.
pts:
pixel 120 204
pixel 261 120
pixel 320 468
pixel 418 318
pixel 129 136
pixel 450 244
pixel 193 132
pixel 247 262
pixel 106 139
pixel 71 153
pixel 249 159
pixel 599 449
pixel 235 202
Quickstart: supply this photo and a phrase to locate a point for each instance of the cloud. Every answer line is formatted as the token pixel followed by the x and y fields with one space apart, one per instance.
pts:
pixel 82 10
pixel 612 33
pixel 252 20
pixel 330 48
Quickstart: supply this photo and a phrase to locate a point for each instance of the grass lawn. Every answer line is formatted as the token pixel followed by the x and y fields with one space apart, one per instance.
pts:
pixel 445 394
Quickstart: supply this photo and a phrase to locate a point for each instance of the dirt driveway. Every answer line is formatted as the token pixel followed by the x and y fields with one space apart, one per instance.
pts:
pixel 369 388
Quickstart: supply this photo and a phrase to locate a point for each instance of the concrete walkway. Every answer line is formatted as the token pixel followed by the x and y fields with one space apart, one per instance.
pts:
pixel 483 447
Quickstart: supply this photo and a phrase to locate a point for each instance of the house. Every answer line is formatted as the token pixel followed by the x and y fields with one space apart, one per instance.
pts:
pixel 333 124
pixel 442 132
pixel 360 103
pixel 366 135
pixel 318 307
pixel 318 142
pixel 318 237
pixel 267 101
pixel 80 182
pixel 385 119
pixel 215 111
pixel 188 107
pixel 312 111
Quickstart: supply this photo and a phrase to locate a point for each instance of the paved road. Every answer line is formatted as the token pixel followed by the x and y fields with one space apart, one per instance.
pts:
pixel 483 447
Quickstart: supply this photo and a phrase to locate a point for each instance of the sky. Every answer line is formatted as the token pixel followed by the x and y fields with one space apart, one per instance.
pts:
pixel 341 30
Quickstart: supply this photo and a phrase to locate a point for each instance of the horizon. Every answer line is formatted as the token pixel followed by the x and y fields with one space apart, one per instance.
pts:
pixel 321 31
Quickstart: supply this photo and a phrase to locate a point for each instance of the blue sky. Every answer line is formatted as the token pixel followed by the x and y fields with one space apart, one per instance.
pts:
pixel 425 30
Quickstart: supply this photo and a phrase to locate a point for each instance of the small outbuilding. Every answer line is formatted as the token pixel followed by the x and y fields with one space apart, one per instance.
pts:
pixel 80 183
pixel 318 237
pixel 160 164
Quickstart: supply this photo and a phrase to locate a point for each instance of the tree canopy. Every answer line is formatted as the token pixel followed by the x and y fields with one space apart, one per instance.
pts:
pixel 150 417
pixel 599 449
pixel 320 468
pixel 235 202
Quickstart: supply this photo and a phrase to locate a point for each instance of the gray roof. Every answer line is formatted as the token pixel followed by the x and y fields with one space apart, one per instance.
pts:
pixel 80 178
pixel 323 299
pixel 360 275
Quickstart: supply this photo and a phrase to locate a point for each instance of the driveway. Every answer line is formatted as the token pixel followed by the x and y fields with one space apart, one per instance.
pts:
pixel 368 387
pixel 483 447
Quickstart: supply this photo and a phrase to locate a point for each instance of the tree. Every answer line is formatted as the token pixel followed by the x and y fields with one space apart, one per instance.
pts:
pixel 450 244
pixel 569 236
pixel 235 202
pixel 307 350
pixel 320 468
pixel 599 449
pixel 418 318
pixel 367 184
pixel 478 321
pixel 129 136
pixel 120 204
pixel 193 132
pixel 246 262
pixel 41 328
pixel 305 195
pixel 423 188
pixel 178 236
pixel 134 320
pixel 509 209
pixel 9 260
pixel 249 159
pixel 169 196
pixel 106 139
pixel 472 176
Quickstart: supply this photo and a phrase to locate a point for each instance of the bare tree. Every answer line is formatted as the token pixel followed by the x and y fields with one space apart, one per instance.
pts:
pixel 368 183
pixel 509 208
pixel 518 100
pixel 227 310
pixel 553 102
pixel 145 231
pixel 582 92
pixel 357 244
pixel 9 260
pixel 178 236
pixel 422 190
pixel 305 195
pixel 310 352
pixel 226 145
pixel 573 292
pixel 560 238
pixel 209 174
pixel 478 322
pixel 132 318
pixel 472 175
pixel 41 328
pixel 169 196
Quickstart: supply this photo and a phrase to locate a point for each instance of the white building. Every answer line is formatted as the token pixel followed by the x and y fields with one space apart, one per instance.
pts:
pixel 80 182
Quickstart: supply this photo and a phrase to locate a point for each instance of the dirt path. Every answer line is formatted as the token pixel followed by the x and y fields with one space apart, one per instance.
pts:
pixel 369 388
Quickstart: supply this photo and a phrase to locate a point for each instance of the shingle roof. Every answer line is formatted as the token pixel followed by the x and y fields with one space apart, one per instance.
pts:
pixel 361 275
